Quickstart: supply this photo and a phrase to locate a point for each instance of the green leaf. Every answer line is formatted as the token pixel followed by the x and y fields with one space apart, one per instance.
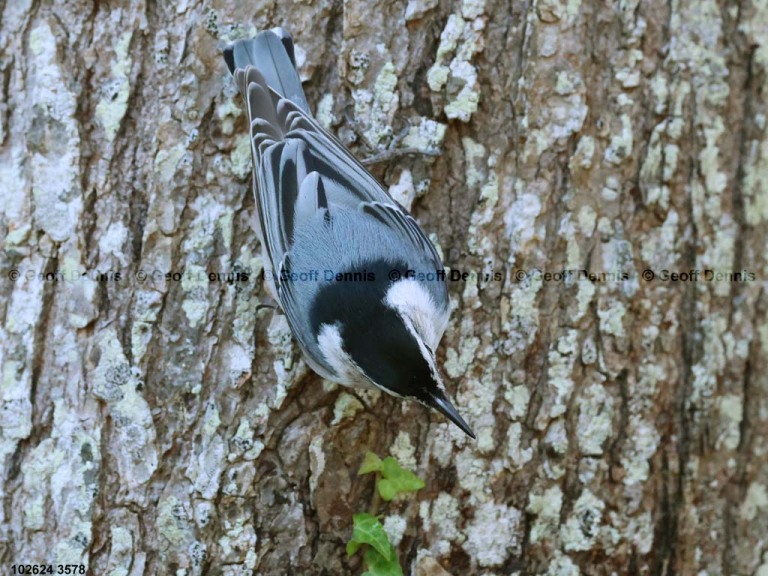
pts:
pixel 378 565
pixel 396 479
pixel 366 529
pixel 352 547
pixel 371 463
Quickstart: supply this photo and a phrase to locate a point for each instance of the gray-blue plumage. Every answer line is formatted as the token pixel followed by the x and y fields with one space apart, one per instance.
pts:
pixel 272 53
pixel 322 214
pixel 337 249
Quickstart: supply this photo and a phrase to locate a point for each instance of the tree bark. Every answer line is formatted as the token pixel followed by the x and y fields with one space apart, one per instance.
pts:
pixel 161 424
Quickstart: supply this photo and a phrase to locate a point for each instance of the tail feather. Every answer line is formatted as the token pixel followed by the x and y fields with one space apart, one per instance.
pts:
pixel 271 53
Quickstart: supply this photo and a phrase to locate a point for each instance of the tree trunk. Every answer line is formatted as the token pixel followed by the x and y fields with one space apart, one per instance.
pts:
pixel 156 420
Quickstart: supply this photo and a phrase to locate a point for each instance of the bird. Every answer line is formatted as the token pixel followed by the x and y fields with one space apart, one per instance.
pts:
pixel 362 287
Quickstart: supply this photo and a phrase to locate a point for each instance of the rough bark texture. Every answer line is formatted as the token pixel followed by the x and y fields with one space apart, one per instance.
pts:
pixel 170 427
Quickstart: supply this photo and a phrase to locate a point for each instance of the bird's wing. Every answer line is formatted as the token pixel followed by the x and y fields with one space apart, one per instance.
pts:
pixel 348 183
pixel 301 168
pixel 345 182
pixel 286 183
pixel 289 302
pixel 394 217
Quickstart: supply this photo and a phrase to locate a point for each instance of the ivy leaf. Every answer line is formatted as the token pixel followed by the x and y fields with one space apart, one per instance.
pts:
pixel 392 479
pixel 352 547
pixel 378 565
pixel 371 463
pixel 366 529
pixel 397 480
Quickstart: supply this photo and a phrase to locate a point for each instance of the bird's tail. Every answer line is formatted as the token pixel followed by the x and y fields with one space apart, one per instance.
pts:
pixel 271 53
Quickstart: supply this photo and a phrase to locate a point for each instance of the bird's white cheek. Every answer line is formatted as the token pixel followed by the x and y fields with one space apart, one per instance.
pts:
pixel 348 373
pixel 413 301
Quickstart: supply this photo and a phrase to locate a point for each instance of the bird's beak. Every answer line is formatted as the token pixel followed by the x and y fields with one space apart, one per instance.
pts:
pixel 439 402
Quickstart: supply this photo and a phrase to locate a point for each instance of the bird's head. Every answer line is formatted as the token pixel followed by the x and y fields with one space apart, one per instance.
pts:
pixel 388 340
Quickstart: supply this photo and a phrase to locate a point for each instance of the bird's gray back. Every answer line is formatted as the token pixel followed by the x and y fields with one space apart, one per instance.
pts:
pixel 348 241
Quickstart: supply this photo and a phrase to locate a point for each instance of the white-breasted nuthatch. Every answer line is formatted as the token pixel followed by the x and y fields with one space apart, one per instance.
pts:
pixel 361 285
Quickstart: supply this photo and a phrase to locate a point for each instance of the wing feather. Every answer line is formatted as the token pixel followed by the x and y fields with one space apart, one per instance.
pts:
pixel 291 307
pixel 302 168
pixel 397 219
pixel 260 103
pixel 292 172
pixel 267 188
